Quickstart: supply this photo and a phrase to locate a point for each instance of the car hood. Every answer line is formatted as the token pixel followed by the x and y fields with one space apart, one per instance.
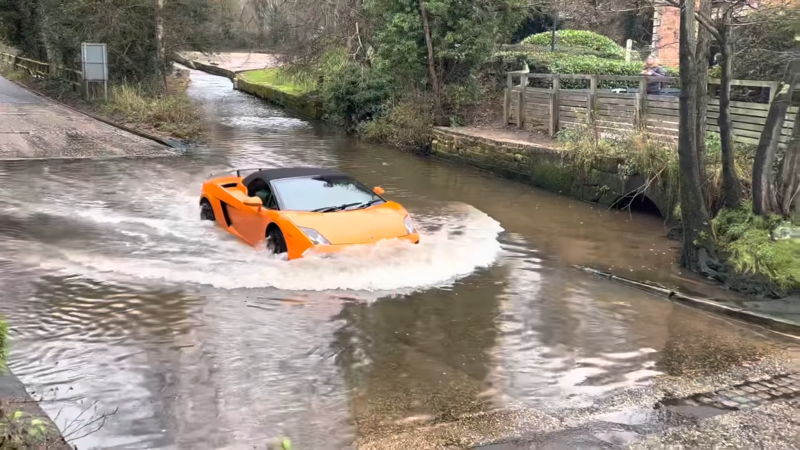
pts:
pixel 361 226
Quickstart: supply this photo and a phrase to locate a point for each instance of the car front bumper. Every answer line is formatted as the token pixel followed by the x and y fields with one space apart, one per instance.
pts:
pixel 330 250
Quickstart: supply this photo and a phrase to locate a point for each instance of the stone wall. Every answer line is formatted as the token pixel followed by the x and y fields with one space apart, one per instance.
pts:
pixel 305 106
pixel 547 168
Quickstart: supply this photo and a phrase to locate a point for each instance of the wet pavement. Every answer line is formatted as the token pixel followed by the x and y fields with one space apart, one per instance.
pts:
pixel 33 127
pixel 481 334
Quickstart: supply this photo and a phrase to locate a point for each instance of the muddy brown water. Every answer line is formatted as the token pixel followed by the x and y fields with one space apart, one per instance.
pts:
pixel 120 298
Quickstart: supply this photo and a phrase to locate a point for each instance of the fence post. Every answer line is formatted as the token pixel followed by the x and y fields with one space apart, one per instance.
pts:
pixel 554 105
pixel 592 98
pixel 507 99
pixel 641 105
pixel 628 50
pixel 521 103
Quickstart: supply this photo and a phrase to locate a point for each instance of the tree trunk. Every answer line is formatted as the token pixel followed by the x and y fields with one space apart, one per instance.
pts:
pixel 703 52
pixel 788 189
pixel 789 186
pixel 437 100
pixel 730 180
pixel 696 223
pixel 161 58
pixel 764 200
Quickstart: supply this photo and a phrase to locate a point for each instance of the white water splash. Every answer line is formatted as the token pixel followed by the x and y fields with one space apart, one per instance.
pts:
pixel 460 240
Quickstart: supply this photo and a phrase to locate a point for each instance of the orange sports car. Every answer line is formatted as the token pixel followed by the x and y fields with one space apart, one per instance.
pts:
pixel 298 209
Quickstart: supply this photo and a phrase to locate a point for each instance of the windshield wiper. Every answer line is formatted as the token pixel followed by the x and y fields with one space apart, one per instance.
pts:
pixel 335 208
pixel 370 203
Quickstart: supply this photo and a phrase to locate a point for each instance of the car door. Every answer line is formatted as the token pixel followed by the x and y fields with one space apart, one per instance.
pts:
pixel 248 222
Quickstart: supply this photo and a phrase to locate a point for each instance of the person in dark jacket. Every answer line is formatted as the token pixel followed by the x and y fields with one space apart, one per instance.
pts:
pixel 652 67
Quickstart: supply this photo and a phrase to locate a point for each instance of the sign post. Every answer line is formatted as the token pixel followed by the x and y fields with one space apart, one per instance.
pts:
pixel 94 60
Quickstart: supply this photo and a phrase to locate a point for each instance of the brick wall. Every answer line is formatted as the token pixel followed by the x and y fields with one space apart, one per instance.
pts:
pixel 666 35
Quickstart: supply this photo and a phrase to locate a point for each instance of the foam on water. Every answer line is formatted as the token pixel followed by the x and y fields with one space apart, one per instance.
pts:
pixel 270 123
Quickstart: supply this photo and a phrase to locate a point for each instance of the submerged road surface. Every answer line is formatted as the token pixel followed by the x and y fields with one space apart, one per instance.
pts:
pixel 120 298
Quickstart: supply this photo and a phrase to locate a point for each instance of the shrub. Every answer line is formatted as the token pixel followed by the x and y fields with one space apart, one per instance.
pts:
pixel 354 94
pixel 580 38
pixel 460 99
pixel 405 123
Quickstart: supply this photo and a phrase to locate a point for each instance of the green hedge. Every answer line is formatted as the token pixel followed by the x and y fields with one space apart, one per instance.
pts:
pixel 580 38
pixel 561 63
pixel 560 48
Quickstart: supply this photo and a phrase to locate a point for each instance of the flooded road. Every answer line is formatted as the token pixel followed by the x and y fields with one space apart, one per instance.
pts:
pixel 120 298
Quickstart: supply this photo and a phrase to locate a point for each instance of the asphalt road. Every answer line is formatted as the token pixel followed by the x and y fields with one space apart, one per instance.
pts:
pixel 11 93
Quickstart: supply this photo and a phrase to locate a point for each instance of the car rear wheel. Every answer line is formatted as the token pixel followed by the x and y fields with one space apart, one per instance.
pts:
pixel 275 242
pixel 206 212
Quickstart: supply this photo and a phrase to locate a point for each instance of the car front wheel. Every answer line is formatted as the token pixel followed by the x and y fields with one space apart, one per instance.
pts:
pixel 275 242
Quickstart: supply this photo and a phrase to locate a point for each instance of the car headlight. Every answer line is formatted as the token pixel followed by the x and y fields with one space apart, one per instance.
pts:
pixel 409 225
pixel 314 236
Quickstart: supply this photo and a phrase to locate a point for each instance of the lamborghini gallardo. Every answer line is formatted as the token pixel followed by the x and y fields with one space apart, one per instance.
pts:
pixel 302 210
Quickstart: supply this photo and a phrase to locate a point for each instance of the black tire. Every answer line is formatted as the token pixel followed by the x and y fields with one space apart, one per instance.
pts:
pixel 206 211
pixel 275 242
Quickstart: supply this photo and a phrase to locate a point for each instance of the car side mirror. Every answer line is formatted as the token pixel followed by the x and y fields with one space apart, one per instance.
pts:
pixel 253 201
pixel 379 190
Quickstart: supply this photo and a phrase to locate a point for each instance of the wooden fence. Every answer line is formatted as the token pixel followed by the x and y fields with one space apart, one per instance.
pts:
pixel 555 108
pixel 42 69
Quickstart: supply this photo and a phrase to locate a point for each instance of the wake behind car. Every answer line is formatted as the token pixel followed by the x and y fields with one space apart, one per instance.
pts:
pixel 297 209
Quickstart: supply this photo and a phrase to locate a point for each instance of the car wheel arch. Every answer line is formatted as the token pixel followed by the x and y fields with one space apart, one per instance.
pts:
pixel 271 226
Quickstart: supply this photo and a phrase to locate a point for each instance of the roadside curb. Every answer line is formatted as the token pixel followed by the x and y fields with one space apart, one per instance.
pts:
pixel 772 323
pixel 134 131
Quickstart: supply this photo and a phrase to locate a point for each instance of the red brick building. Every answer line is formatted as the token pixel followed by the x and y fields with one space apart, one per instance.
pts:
pixel 666 35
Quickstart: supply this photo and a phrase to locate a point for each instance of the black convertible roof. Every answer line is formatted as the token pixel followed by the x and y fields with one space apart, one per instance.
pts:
pixel 291 172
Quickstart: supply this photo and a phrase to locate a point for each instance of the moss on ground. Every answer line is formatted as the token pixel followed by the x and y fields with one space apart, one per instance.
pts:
pixel 747 241
pixel 279 79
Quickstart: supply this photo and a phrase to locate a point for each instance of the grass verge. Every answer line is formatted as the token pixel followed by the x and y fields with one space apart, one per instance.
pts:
pixel 173 115
pixel 281 80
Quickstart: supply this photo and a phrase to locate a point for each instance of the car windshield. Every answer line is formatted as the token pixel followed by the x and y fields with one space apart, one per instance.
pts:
pixel 319 193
